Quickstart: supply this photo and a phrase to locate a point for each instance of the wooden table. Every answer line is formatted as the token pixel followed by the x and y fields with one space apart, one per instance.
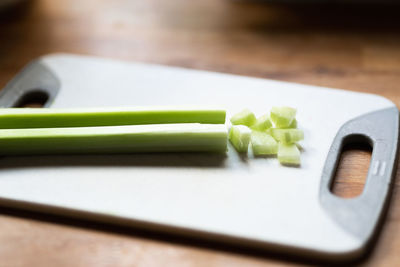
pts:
pixel 336 46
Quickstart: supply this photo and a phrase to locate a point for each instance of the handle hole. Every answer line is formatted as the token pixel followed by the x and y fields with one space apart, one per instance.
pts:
pixel 33 99
pixel 352 169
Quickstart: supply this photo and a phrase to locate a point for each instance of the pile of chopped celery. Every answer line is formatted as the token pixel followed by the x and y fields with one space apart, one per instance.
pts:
pixel 274 134
pixel 148 129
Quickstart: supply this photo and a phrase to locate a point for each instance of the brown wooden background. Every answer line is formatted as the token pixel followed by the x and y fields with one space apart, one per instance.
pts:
pixel 349 47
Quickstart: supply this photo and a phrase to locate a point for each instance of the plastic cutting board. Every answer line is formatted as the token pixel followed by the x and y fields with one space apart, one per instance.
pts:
pixel 242 200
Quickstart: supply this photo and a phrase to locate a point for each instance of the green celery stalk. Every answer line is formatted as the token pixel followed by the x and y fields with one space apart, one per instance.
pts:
pixel 15 118
pixel 187 137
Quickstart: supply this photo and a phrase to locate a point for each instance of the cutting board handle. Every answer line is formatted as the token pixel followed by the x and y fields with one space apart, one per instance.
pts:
pixel 35 79
pixel 361 215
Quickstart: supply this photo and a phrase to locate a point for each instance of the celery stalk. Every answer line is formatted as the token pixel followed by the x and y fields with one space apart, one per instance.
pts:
pixel 15 118
pixel 190 137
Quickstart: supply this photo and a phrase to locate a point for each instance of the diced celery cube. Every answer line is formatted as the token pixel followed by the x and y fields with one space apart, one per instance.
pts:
pixel 293 125
pixel 288 154
pixel 239 136
pixel 282 117
pixel 263 123
pixel 263 144
pixel 287 136
pixel 245 117
pixel 300 147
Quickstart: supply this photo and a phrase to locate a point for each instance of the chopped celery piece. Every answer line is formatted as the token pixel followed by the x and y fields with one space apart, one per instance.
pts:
pixel 13 118
pixel 288 154
pixel 239 136
pixel 183 137
pixel 293 125
pixel 300 147
pixel 287 136
pixel 263 144
pixel 245 117
pixel 263 123
pixel 282 117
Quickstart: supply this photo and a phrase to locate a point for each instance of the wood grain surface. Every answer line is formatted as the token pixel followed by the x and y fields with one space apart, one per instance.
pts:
pixel 350 47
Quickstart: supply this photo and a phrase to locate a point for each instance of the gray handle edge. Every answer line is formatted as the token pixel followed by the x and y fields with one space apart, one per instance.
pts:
pixel 33 77
pixel 360 216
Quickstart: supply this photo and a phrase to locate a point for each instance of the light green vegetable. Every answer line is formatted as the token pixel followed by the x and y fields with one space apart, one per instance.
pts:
pixel 283 117
pixel 239 136
pixel 300 147
pixel 288 154
pixel 293 125
pixel 13 118
pixel 263 144
pixel 190 137
pixel 263 123
pixel 287 136
pixel 245 117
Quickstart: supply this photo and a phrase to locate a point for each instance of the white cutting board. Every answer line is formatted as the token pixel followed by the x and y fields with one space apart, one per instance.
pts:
pixel 250 201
